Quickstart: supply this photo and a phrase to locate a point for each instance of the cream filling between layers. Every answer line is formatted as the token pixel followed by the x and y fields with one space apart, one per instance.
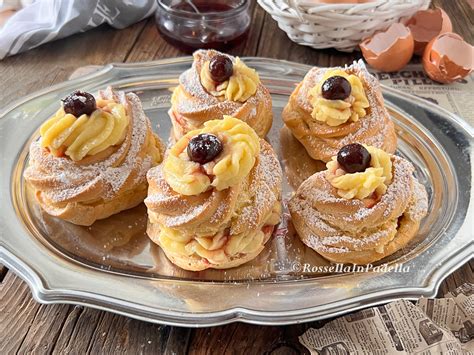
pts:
pixel 219 248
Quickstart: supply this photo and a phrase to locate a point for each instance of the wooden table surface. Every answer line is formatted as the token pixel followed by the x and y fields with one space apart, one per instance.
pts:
pixel 26 326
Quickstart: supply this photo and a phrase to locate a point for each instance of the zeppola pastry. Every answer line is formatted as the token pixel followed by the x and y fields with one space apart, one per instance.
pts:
pixel 92 158
pixel 218 84
pixel 364 207
pixel 333 107
pixel 215 199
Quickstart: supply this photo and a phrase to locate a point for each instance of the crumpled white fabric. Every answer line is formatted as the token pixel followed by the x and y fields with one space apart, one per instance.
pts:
pixel 47 20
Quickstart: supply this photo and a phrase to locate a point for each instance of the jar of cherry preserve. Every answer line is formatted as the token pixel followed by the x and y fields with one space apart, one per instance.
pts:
pixel 194 24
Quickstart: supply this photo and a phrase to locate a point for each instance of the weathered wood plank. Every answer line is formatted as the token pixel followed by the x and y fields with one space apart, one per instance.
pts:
pixel 178 340
pixel 45 328
pixel 464 274
pixel 461 15
pixel 247 339
pixel 150 46
pixel 78 330
pixel 17 312
pixel 119 334
pixel 65 333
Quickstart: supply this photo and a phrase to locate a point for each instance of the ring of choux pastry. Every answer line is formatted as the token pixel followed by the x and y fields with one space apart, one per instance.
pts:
pixel 199 97
pixel 217 206
pixel 360 217
pixel 333 107
pixel 92 158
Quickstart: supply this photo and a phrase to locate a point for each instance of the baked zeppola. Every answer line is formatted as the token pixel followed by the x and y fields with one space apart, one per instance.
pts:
pixel 364 207
pixel 218 84
pixel 92 157
pixel 216 199
pixel 333 107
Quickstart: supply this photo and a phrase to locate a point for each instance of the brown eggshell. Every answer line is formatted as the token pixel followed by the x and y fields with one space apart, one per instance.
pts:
pixel 426 25
pixel 448 57
pixel 390 50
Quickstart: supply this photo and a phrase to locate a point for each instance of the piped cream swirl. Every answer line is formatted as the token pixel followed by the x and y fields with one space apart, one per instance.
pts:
pixel 241 147
pixel 364 184
pixel 240 87
pixel 337 112
pixel 78 137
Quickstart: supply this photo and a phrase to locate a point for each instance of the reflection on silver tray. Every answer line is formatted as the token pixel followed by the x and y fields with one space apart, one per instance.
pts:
pixel 112 265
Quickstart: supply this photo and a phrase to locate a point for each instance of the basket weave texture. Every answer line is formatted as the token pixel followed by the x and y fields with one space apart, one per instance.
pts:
pixel 341 26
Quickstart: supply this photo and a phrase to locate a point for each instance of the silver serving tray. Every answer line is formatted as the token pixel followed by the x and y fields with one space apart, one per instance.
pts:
pixel 113 266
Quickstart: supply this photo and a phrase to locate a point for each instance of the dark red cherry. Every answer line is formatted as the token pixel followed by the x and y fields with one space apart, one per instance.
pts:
pixel 204 147
pixel 336 88
pixel 221 68
pixel 79 103
pixel 354 158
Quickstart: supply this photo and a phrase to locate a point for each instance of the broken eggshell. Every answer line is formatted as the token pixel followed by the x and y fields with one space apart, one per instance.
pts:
pixel 448 57
pixel 390 50
pixel 426 25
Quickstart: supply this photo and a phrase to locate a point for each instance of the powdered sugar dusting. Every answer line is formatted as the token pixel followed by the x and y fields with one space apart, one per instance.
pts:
pixel 203 101
pixel 368 124
pixel 269 167
pixel 219 213
pixel 327 227
pixel 240 208
pixel 62 180
pixel 419 204
pixel 180 219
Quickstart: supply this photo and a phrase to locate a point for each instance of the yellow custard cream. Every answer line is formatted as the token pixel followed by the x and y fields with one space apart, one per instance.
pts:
pixel 78 137
pixel 364 184
pixel 337 112
pixel 240 86
pixel 216 249
pixel 241 148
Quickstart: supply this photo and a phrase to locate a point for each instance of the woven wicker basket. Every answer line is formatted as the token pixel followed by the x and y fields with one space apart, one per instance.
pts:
pixel 341 26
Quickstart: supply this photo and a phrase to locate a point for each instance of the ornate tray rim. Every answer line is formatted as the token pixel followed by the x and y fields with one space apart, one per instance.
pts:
pixel 44 290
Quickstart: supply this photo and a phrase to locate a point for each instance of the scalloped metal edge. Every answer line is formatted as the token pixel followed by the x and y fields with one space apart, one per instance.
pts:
pixel 50 296
pixel 46 295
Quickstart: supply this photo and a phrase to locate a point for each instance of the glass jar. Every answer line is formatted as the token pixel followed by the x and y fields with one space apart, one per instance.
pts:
pixel 194 24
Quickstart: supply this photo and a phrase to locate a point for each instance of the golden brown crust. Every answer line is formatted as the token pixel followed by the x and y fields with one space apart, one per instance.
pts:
pixel 100 185
pixel 85 214
pixel 192 105
pixel 195 263
pixel 236 213
pixel 323 141
pixel 347 231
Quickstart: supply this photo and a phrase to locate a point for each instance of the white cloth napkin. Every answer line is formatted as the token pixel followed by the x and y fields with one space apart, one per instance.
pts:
pixel 47 20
